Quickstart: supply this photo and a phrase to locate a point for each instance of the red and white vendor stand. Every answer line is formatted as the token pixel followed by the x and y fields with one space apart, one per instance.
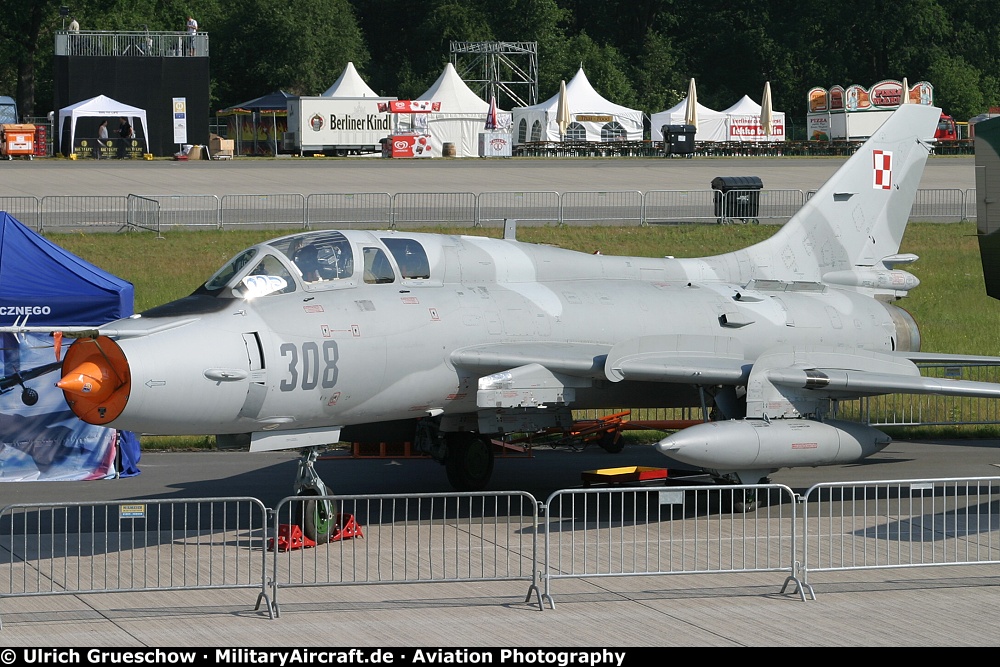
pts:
pixel 414 140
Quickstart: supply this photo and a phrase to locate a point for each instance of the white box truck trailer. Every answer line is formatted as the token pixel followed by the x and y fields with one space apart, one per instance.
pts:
pixel 336 125
pixel 856 126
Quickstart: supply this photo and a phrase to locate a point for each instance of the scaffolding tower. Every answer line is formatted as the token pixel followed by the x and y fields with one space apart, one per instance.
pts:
pixel 508 70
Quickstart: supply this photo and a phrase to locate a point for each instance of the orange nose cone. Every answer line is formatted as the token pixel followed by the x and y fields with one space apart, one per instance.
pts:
pixel 97 380
pixel 87 379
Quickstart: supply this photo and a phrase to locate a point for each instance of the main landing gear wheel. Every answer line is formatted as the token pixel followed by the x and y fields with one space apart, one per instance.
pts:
pixel 738 500
pixel 744 501
pixel 469 462
pixel 316 517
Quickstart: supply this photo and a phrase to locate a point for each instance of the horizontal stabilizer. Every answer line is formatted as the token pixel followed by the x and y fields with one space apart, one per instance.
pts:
pixel 944 358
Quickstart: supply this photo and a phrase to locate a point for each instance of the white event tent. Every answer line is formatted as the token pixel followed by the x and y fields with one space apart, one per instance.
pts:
pixel 462 116
pixel 740 122
pixel 743 123
pixel 349 84
pixel 101 106
pixel 711 123
pixel 592 118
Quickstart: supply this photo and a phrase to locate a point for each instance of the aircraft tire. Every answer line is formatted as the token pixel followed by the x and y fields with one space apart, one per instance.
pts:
pixel 469 462
pixel 744 501
pixel 316 517
pixel 736 501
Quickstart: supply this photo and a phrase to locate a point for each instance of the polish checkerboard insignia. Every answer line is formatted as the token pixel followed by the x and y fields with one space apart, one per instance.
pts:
pixel 882 170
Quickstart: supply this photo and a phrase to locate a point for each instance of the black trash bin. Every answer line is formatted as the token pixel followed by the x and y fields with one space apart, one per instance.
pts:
pixel 737 198
pixel 678 139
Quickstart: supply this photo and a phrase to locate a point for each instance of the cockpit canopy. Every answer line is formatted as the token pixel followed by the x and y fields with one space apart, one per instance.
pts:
pixel 318 260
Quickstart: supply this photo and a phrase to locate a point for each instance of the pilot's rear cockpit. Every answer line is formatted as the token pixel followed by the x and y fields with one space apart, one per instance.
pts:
pixel 318 256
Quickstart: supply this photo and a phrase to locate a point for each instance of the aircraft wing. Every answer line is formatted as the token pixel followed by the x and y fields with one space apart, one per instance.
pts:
pixel 581 359
pixel 682 358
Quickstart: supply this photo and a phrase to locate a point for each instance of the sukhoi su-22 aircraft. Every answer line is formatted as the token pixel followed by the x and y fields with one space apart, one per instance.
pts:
pixel 452 341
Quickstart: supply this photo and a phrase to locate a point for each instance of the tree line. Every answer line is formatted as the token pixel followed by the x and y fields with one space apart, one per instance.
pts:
pixel 639 53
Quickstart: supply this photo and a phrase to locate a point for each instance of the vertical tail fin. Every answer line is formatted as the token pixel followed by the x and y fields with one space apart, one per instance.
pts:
pixel 857 218
pixel 987 208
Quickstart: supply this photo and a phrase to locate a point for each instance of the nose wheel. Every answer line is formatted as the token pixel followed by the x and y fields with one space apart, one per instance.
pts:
pixel 317 516
pixel 469 461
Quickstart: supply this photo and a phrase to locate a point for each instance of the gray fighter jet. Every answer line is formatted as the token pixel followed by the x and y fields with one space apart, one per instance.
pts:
pixel 454 341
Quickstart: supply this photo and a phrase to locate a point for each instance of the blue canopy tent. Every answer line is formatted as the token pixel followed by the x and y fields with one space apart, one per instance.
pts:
pixel 258 125
pixel 43 285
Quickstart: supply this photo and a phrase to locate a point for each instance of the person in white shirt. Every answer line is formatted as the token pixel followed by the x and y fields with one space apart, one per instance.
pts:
pixel 102 138
pixel 192 30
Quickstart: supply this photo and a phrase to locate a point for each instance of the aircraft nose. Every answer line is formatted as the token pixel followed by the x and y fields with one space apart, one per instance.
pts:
pixel 96 381
pixel 88 379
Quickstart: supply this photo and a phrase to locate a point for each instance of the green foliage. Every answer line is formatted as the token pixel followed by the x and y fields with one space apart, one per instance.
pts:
pixel 297 46
pixel 957 86
pixel 638 53
pixel 658 83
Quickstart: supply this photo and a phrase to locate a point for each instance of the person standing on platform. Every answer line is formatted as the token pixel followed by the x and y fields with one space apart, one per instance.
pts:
pixel 192 30
pixel 74 32
pixel 102 138
pixel 125 132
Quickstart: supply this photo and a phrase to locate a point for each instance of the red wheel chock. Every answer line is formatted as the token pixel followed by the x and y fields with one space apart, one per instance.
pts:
pixel 291 537
pixel 346 528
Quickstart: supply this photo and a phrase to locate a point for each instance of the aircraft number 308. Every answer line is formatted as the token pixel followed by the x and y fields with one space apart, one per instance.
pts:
pixel 314 371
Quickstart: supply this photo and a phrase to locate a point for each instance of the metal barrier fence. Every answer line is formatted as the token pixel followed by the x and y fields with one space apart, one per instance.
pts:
pixel 24 209
pixel 601 207
pixel 525 207
pixel 138 545
pixel 380 209
pixel 945 203
pixel 420 538
pixel 263 211
pixel 433 208
pixel 372 209
pixel 969 206
pixel 755 205
pixel 666 206
pixel 143 213
pixel 188 211
pixel 900 523
pixel 224 543
pixel 668 530
pixel 83 213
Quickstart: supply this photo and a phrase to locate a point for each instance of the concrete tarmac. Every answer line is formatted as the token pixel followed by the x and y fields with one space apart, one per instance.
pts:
pixel 922 606
pixel 52 177
pixel 926 606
